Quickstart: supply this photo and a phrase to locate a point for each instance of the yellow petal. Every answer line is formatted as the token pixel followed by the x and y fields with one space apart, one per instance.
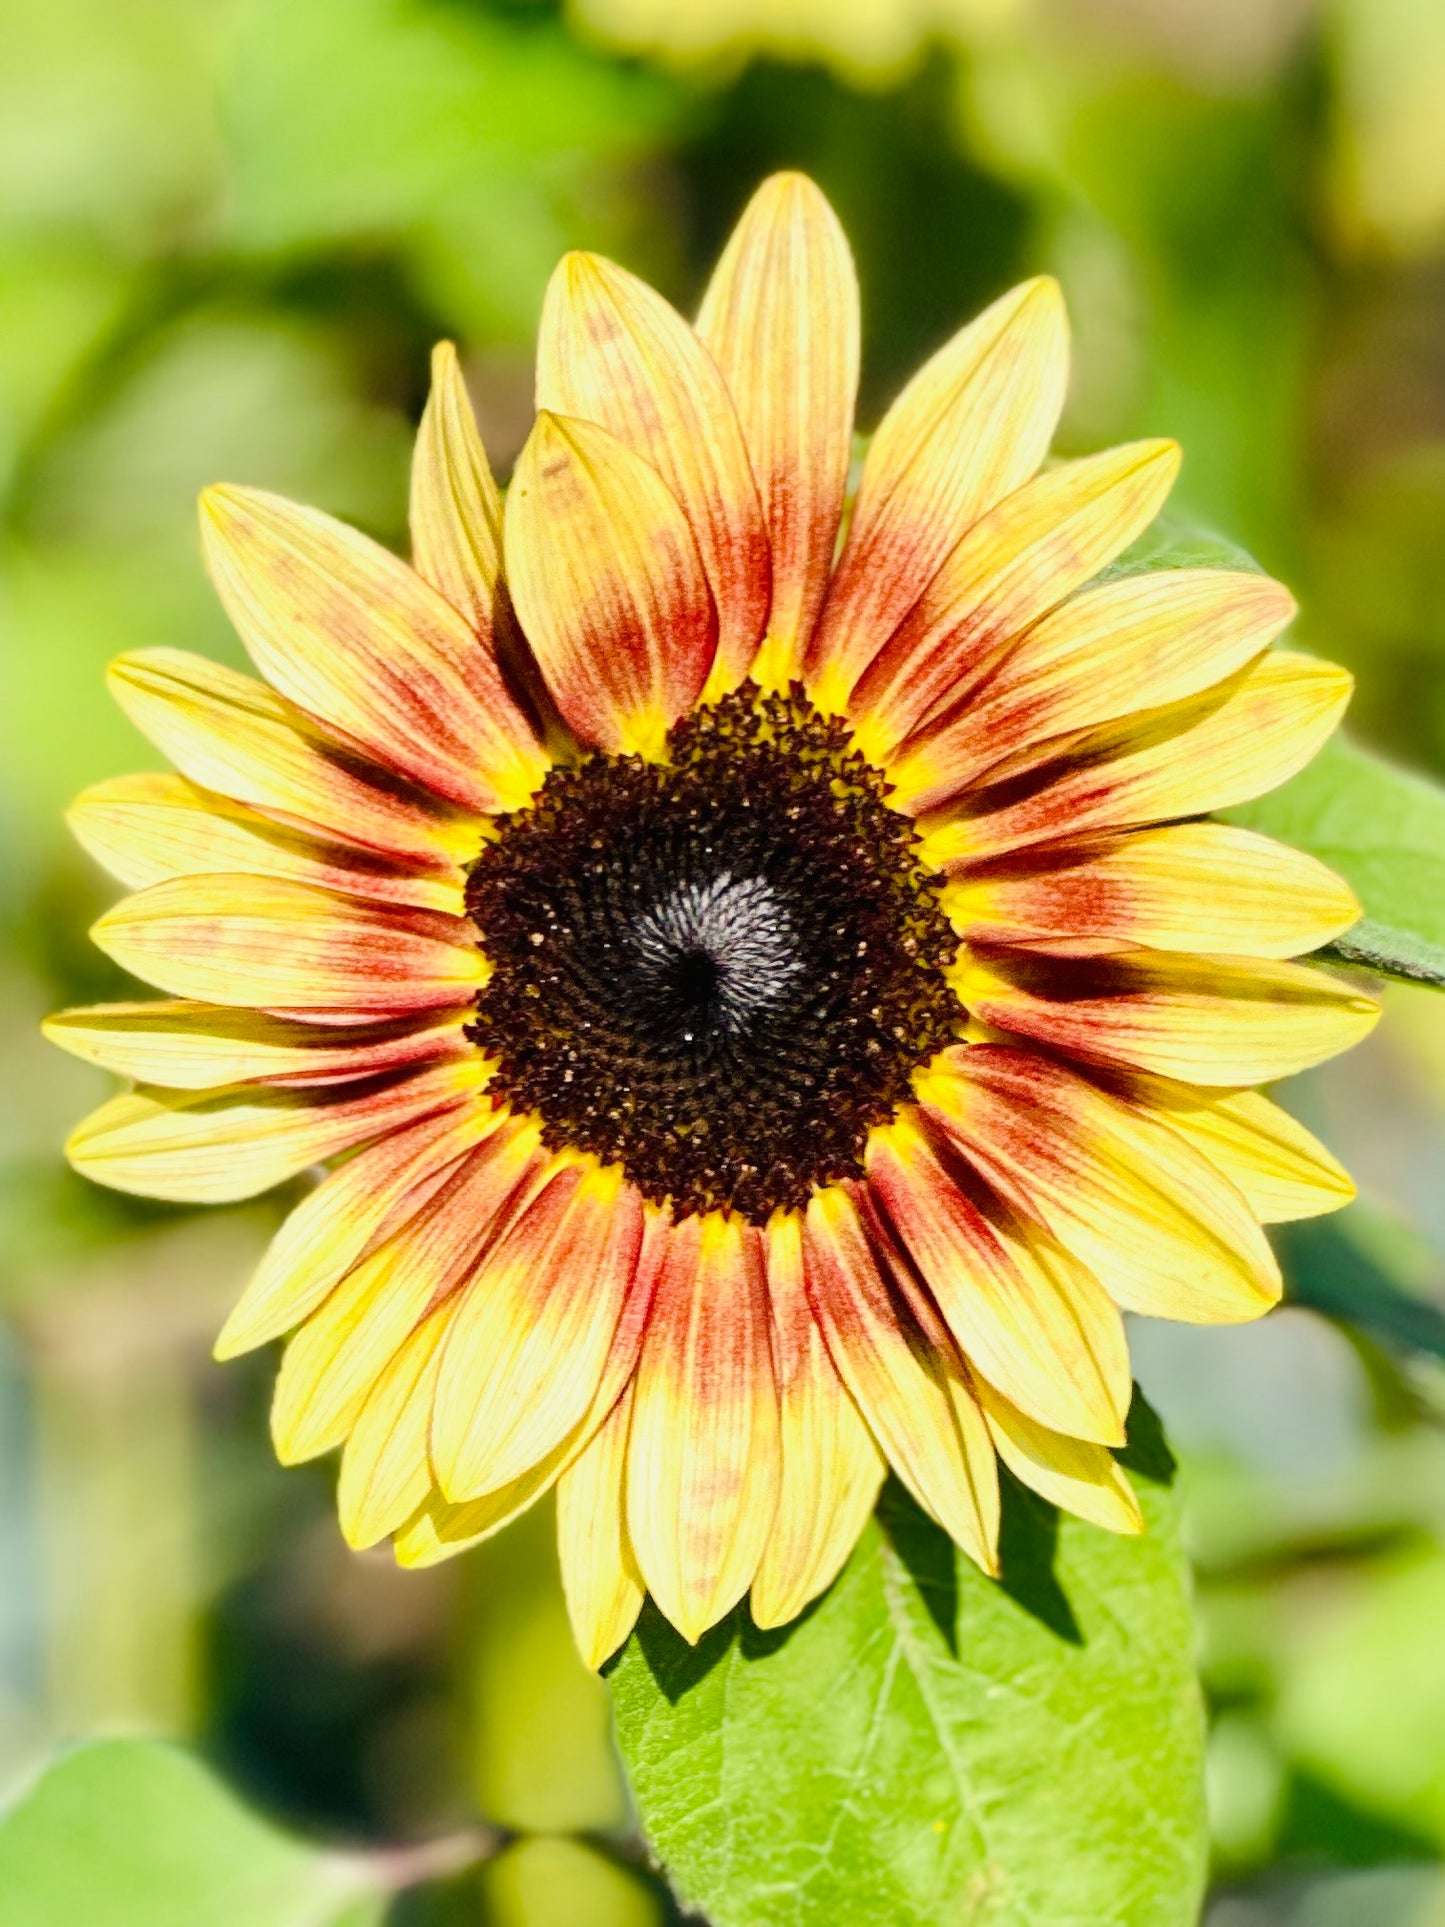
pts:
pixel 358 640
pixel 330 1366
pixel 1079 1477
pixel 385 1468
pixel 1187 886
pixel 1033 1324
pixel 971 426
pixel 608 585
pixel 151 827
pixel 368 1197
pixel 1130 645
pixel 702 1470
pixel 1205 1020
pixel 613 352
pixel 1161 1229
pixel 1226 747
pixel 909 1387
pixel 603 1586
pixel 831 1469
pixel 438 1530
pixel 212 1147
pixel 195 1046
pixel 781 318
pixel 275 944
pixel 527 1348
pixel 1281 1169
pixel 233 735
pixel 1020 561
pixel 456 510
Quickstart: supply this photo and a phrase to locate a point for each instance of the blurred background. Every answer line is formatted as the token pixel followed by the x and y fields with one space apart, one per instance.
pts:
pixel 230 231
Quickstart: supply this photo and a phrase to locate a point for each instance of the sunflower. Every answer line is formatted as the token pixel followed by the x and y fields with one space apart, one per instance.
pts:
pixel 767 998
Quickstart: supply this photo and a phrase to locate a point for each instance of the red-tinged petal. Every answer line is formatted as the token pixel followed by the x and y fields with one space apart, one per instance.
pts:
pixel 1039 545
pixel 781 317
pixel 1227 747
pixel 972 425
pixel 233 735
pixel 1033 1323
pixel 1081 1478
pixel 358 640
pixel 1127 646
pixel 909 1388
pixel 335 1359
pixel 213 1147
pixel 831 1468
pixel 702 1472
pixel 456 509
pixel 1161 1229
pixel 148 828
pixel 1204 1020
pixel 1188 886
pixel 367 1198
pixel 608 585
pixel 385 1467
pixel 613 352
pixel 1281 1169
pixel 437 1529
pixel 526 1351
pixel 600 1579
pixel 195 1046
pixel 273 944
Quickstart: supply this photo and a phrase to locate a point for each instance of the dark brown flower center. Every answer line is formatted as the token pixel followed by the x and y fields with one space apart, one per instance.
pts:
pixel 719 970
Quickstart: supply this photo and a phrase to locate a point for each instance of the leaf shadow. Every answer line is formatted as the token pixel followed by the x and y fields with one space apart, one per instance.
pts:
pixel 1147 1451
pixel 1028 1550
pixel 927 1552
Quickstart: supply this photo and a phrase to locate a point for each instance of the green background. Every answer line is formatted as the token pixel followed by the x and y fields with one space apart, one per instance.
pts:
pixel 230 231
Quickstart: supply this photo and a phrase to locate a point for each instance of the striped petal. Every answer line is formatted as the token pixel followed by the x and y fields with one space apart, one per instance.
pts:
pixel 1189 886
pixel 1281 1169
pixel 1020 561
pixel 613 352
pixel 358 640
pixel 526 1351
pixel 608 586
pixel 1070 1473
pixel 1161 1229
pixel 439 1529
pixel 1205 1020
pixel 1034 1325
pixel 330 1366
pixel 456 510
pixel 194 1046
pixel 972 425
pixel 385 1468
pixel 274 944
pixel 781 318
pixel 231 734
pixel 1130 645
pixel 600 1578
pixel 369 1197
pixel 911 1391
pixel 831 1468
pixel 1242 739
pixel 213 1147
pixel 151 827
pixel 702 1469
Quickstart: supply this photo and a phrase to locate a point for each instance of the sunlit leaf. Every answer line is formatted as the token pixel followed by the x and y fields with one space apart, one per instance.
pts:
pixel 135 1833
pixel 930 1746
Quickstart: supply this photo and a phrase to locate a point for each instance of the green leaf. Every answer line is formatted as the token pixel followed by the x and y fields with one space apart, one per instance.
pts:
pixel 1383 829
pixel 928 1745
pixel 1174 542
pixel 135 1833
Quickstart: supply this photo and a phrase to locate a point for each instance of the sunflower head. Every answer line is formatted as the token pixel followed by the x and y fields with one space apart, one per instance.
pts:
pixel 767 1003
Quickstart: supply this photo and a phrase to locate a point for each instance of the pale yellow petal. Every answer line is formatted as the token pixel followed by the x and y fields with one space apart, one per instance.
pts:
pixel 600 1579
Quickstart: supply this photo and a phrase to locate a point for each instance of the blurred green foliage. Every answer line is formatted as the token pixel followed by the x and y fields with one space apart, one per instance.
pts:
pixel 230 231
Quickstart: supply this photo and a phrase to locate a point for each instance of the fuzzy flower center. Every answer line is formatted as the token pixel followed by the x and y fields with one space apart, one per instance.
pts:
pixel 719 970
